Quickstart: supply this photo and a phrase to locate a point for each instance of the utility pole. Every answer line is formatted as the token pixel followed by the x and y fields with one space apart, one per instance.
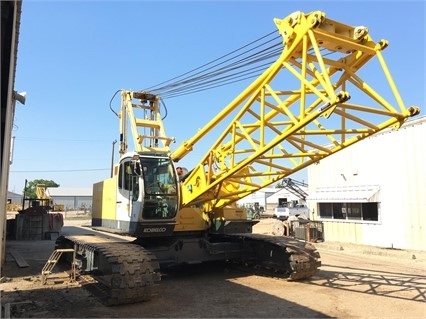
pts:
pixel 23 197
pixel 112 156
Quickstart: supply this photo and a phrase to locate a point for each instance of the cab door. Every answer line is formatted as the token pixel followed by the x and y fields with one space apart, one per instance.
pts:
pixel 128 195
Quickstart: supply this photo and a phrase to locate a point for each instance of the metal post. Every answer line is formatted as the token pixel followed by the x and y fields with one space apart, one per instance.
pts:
pixel 112 156
pixel 23 197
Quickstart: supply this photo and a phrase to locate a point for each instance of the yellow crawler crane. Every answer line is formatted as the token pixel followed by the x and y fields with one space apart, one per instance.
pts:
pixel 309 104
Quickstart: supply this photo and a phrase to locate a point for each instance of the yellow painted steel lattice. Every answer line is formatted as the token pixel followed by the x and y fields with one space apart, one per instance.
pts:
pixel 320 96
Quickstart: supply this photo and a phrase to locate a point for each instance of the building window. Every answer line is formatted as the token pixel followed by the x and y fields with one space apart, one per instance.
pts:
pixel 353 211
pixel 339 211
pixel 370 211
pixel 326 210
pixel 349 211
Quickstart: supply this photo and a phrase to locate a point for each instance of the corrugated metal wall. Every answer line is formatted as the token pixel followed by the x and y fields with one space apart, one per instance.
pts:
pixel 73 202
pixel 394 160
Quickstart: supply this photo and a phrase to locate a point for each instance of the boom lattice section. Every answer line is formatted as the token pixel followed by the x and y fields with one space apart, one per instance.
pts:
pixel 311 103
pixel 316 99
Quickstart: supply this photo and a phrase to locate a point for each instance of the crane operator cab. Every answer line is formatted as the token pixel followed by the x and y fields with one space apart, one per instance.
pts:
pixel 147 193
pixel 159 192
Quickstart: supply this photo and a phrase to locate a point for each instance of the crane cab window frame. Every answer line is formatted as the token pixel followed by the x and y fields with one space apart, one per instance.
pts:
pixel 159 176
pixel 128 184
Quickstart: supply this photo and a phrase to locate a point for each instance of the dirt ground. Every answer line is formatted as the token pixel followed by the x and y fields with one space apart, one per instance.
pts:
pixel 353 282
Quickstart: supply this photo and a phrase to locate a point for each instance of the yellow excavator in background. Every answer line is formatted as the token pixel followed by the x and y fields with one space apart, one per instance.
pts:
pixel 42 204
pixel 296 113
pixel 45 199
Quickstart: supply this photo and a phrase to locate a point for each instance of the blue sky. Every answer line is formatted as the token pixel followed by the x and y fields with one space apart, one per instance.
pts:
pixel 73 56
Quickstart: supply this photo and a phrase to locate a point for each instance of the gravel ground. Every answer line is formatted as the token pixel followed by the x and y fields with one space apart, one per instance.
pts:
pixel 353 282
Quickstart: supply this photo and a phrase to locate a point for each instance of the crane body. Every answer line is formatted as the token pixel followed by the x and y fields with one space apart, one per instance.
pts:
pixel 294 114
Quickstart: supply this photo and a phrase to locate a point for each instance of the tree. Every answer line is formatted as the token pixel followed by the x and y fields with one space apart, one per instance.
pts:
pixel 30 190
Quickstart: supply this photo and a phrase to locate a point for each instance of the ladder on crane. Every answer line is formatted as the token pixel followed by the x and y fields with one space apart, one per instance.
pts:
pixel 144 120
pixel 53 260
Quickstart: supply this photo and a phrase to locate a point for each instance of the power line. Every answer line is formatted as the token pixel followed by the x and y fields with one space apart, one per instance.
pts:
pixel 46 139
pixel 249 61
pixel 64 171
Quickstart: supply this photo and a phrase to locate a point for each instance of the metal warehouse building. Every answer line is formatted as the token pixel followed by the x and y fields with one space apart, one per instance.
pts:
pixel 14 198
pixel 72 198
pixel 374 192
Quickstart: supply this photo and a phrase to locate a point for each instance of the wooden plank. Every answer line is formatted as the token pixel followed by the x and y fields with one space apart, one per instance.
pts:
pixel 20 261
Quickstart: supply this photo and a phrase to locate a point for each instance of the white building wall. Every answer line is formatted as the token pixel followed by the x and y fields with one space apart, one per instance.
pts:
pixel 268 198
pixel 394 160
pixel 273 199
pixel 258 197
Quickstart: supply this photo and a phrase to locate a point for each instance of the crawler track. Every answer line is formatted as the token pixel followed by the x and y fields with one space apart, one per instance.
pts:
pixel 124 273
pixel 292 258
